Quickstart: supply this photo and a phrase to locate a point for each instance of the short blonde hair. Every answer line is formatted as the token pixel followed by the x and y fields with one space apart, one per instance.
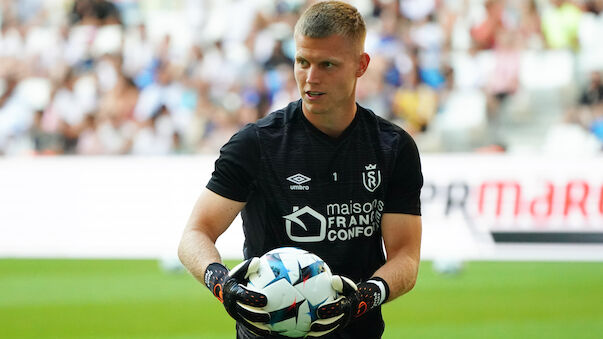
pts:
pixel 327 18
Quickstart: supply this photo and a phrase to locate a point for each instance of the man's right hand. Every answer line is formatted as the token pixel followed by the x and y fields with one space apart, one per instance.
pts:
pixel 241 303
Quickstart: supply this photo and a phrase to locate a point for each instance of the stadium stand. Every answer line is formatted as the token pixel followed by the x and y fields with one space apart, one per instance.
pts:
pixel 157 77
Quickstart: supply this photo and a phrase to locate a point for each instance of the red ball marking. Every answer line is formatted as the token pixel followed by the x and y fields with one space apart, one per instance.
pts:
pixel 292 307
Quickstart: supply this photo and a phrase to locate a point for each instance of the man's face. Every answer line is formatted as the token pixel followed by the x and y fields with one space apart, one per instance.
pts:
pixel 326 70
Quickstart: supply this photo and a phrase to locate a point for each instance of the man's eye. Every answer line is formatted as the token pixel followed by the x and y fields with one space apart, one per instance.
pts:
pixel 302 62
pixel 328 64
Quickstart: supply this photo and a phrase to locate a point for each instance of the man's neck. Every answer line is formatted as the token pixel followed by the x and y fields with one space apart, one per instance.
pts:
pixel 332 124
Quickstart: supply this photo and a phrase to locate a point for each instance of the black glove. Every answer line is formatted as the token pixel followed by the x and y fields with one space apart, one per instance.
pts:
pixel 354 301
pixel 241 303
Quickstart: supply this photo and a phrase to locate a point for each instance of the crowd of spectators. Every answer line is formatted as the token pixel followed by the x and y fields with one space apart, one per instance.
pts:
pixel 98 77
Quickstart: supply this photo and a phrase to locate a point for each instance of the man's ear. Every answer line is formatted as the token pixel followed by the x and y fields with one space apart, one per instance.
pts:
pixel 365 59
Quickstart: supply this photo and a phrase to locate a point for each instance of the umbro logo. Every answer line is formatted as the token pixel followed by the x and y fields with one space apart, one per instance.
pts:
pixel 299 179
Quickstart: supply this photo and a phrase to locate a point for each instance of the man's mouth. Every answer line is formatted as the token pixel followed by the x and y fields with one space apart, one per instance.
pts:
pixel 314 94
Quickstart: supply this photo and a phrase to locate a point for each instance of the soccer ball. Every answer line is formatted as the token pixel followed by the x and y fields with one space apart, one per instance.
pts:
pixel 295 282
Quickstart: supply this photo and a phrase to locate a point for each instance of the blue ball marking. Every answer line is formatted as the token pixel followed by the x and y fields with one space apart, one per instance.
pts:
pixel 278 268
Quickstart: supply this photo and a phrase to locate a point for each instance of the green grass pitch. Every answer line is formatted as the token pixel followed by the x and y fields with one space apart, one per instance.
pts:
pixel 135 299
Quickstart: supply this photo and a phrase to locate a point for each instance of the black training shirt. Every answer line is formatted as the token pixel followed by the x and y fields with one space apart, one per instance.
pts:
pixel 326 195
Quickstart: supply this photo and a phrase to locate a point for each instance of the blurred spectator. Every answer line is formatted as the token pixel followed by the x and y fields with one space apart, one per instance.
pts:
pixel 593 93
pixel 591 101
pixel 88 141
pixel 485 33
pixel 560 24
pixel 591 26
pixel 278 57
pixel 373 91
pixel 137 52
pixel 530 25
pixel 155 136
pixel 596 126
pixel 428 36
pixel 414 103
pixel 16 115
pixel 69 106
pixel 223 124
pixel 119 102
pixel 94 12
pixel 417 10
pixel 503 81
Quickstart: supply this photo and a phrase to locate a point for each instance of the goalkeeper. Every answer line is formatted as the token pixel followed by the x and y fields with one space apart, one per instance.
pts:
pixel 323 174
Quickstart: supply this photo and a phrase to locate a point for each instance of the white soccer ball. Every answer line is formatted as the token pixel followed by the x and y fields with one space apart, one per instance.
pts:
pixel 295 282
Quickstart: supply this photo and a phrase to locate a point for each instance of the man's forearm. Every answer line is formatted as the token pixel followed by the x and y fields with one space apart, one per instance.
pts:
pixel 400 273
pixel 196 251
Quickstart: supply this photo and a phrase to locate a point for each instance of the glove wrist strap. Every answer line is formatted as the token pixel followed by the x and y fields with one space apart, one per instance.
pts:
pixel 383 289
pixel 214 278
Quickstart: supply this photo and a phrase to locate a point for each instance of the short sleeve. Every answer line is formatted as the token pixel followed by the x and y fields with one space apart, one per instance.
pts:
pixel 404 191
pixel 237 167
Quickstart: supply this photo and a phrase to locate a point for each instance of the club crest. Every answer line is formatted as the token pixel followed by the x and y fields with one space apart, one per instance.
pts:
pixel 371 177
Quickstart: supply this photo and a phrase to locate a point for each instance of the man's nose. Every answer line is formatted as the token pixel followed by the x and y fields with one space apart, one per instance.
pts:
pixel 312 76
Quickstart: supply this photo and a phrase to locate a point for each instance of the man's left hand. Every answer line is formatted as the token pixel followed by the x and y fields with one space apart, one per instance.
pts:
pixel 354 301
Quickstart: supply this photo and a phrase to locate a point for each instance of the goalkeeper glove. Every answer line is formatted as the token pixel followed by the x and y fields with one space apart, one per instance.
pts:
pixel 355 301
pixel 240 302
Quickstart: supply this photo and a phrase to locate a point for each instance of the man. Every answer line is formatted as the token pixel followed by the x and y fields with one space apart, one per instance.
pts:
pixel 322 174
